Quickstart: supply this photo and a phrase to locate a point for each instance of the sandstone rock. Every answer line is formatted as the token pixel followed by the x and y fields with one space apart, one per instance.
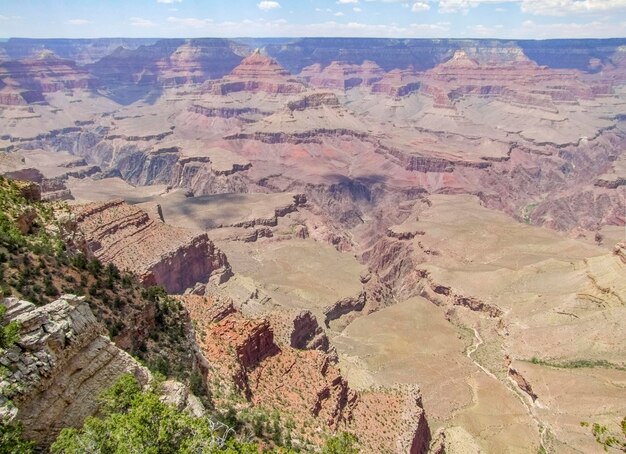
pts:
pixel 256 73
pixel 271 374
pixel 342 75
pixel 160 254
pixel 61 363
pixel 177 394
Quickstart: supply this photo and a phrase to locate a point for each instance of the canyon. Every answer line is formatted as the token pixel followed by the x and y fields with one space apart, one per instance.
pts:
pixel 420 242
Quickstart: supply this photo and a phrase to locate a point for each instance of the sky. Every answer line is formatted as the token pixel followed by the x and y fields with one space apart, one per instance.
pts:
pixel 516 19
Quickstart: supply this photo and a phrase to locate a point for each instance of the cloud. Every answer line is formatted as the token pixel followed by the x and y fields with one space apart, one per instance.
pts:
pixel 78 22
pixel 484 31
pixel 564 7
pixel 141 22
pixel 338 14
pixel 189 22
pixel 267 28
pixel 463 6
pixel 538 7
pixel 357 9
pixel 420 6
pixel 593 29
pixel 267 5
pixel 169 2
pixel 347 1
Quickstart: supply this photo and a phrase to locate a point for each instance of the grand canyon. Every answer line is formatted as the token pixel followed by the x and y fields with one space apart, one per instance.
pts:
pixel 419 242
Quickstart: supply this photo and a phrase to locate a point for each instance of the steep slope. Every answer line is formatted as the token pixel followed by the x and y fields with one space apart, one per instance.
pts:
pixel 59 366
pixel 161 255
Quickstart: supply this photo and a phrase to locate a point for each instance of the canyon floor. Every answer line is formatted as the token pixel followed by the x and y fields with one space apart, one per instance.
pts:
pixel 457 228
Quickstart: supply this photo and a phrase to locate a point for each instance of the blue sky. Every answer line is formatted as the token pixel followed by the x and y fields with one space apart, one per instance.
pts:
pixel 534 19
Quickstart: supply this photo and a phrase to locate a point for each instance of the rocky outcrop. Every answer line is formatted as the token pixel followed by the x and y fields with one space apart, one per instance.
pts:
pixel 26 81
pixel 515 79
pixel 307 334
pixel 444 295
pixel 314 101
pixel 375 295
pixel 620 251
pixel 342 75
pixel 256 73
pixel 398 83
pixel 522 383
pixel 271 374
pixel 160 254
pixel 167 62
pixel 59 366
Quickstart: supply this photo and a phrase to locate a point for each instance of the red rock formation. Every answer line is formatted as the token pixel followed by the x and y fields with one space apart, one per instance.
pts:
pixel 25 81
pixel 160 254
pixel 271 375
pixel 398 83
pixel 256 73
pixel 516 80
pixel 342 75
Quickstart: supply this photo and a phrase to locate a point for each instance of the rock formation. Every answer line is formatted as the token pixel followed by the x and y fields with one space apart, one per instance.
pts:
pixel 342 75
pixel 26 81
pixel 59 366
pixel 126 236
pixel 245 352
pixel 256 73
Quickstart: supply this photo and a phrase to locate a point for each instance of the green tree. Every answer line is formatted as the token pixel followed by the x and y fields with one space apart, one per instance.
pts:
pixel 344 443
pixel 605 438
pixel 11 441
pixel 9 332
pixel 137 421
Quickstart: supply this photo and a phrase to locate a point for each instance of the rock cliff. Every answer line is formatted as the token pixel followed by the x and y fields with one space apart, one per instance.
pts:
pixel 160 254
pixel 256 73
pixel 271 375
pixel 59 366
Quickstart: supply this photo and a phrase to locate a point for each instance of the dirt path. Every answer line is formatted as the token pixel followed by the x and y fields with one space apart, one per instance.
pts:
pixel 512 386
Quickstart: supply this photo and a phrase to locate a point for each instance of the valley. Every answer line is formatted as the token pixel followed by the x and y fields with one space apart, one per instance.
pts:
pixel 421 242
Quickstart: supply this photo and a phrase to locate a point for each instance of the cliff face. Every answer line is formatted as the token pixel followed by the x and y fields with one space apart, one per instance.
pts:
pixel 126 236
pixel 256 73
pixel 61 363
pixel 342 75
pixel 26 81
pixel 426 53
pixel 271 374
pixel 167 62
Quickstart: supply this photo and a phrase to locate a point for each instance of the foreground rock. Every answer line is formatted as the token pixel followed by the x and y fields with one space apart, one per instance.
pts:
pixel 61 363
pixel 304 384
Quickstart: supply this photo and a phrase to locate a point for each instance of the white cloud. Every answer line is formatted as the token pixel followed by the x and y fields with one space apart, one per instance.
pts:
pixel 267 5
pixel 189 22
pixel 141 22
pixel 79 22
pixel 338 14
pixel 169 2
pixel 357 9
pixel 564 7
pixel 538 7
pixel 593 29
pixel 265 28
pixel 420 6
pixel 483 30
pixel 347 1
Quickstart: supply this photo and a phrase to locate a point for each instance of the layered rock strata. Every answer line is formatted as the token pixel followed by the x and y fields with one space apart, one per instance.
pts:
pixel 59 366
pixel 256 73
pixel 126 236
pixel 270 374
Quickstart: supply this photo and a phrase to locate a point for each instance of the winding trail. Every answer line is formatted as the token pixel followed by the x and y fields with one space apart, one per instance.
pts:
pixel 512 386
